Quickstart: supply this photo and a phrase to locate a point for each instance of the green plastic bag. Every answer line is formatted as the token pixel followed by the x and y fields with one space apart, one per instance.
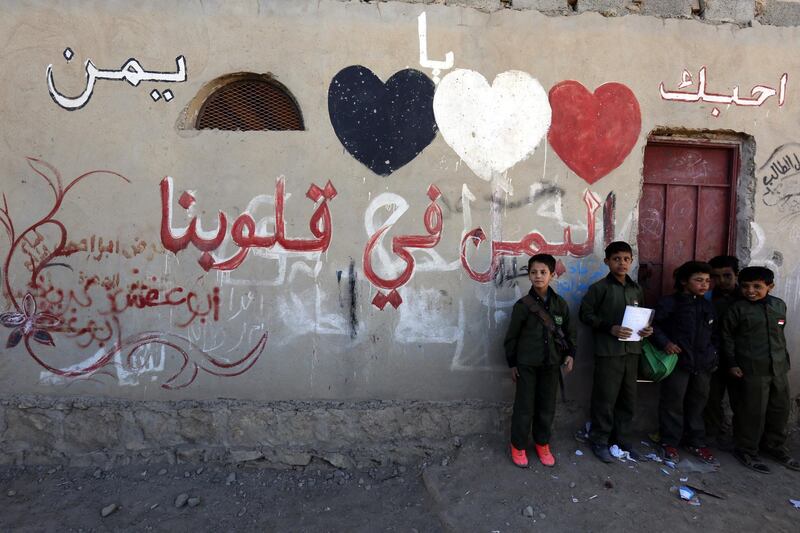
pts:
pixel 655 365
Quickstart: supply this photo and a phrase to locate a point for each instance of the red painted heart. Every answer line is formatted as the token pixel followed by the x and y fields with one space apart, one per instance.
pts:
pixel 593 133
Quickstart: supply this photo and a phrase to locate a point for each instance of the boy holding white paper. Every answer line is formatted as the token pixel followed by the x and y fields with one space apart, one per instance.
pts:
pixel 616 360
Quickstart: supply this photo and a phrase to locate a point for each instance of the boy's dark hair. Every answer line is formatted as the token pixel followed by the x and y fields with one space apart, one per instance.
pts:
pixel 725 261
pixel 687 270
pixel 617 247
pixel 545 259
pixel 757 273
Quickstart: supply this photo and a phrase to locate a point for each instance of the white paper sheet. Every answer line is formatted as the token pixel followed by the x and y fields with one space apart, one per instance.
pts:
pixel 636 318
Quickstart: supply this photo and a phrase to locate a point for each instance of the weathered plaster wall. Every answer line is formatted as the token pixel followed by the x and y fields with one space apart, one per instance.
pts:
pixel 300 320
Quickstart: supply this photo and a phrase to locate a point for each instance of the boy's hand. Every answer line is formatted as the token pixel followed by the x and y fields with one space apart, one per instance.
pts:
pixel 646 332
pixel 736 372
pixel 621 332
pixel 671 347
pixel 568 362
pixel 514 374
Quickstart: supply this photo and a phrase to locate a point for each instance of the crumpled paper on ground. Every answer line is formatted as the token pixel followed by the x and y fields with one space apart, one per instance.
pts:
pixel 621 454
pixel 688 495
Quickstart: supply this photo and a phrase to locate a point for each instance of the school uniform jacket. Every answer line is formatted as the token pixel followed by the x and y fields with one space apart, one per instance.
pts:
pixel 753 337
pixel 687 321
pixel 528 342
pixel 603 306
pixel 722 301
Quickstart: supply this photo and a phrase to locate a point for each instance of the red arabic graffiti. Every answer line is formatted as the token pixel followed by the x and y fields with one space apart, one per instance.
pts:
pixel 17 241
pixel 140 296
pixel 98 248
pixel 531 244
pixel 401 244
pixel 104 297
pixel 31 326
pixel 243 230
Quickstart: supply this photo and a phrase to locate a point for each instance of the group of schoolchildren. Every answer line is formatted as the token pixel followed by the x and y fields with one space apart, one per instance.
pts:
pixel 731 337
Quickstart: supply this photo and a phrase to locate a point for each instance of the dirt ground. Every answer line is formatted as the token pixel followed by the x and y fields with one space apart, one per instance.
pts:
pixel 474 488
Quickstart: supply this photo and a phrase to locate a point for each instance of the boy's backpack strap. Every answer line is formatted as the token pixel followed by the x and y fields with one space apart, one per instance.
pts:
pixel 563 344
pixel 531 303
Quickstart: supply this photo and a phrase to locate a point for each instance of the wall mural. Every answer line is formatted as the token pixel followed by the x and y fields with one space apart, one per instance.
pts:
pixel 780 176
pixel 130 71
pixel 41 311
pixel 245 233
pixel 401 246
pixel 491 128
pixel 759 93
pixel 436 66
pixel 593 133
pixel 384 126
pixel 531 244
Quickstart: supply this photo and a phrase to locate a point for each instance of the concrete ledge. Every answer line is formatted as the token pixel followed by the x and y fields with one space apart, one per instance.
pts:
pixel 545 6
pixel 480 5
pixel 97 431
pixel 84 431
pixel 608 8
pixel 780 13
pixel 739 12
pixel 667 8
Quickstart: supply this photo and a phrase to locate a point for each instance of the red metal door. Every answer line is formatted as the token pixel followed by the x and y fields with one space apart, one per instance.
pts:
pixel 686 210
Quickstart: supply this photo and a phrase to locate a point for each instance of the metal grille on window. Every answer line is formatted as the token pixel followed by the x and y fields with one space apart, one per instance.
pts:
pixel 247 105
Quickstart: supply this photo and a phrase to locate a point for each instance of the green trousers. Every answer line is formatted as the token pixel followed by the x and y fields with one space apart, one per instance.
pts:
pixel 534 405
pixel 761 413
pixel 714 414
pixel 613 399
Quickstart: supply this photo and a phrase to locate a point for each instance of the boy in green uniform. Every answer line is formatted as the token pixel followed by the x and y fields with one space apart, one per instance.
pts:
pixel 616 361
pixel 540 339
pixel 724 291
pixel 754 344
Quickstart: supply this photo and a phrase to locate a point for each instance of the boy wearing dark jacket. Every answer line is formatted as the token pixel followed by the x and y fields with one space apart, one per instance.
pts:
pixel 540 339
pixel 724 291
pixel 754 346
pixel 684 325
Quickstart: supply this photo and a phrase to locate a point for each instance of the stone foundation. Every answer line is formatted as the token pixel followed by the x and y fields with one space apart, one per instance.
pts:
pixel 103 432
pixel 97 431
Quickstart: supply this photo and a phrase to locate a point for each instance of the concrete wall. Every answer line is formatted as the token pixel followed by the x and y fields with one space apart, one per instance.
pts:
pixel 135 322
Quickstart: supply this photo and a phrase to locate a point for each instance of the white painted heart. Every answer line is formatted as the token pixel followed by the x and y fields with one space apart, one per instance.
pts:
pixel 491 128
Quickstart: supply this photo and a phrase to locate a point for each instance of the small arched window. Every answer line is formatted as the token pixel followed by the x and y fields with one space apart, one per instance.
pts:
pixel 249 102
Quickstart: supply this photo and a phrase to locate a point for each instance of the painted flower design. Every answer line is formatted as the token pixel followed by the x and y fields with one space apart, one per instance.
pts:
pixel 29 323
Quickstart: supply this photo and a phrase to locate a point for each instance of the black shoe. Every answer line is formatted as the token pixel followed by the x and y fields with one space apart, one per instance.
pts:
pixel 751 461
pixel 783 457
pixel 601 452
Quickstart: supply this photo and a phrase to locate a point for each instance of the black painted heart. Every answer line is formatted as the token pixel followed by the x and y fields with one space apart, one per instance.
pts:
pixel 384 126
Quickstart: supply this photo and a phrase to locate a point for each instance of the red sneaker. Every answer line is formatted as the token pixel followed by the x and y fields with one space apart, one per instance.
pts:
pixel 669 453
pixel 702 453
pixel 545 456
pixel 519 457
